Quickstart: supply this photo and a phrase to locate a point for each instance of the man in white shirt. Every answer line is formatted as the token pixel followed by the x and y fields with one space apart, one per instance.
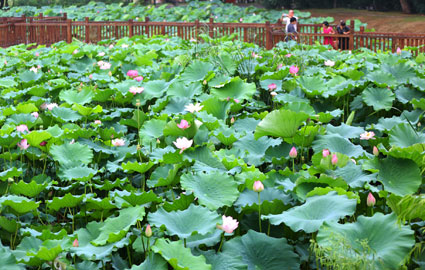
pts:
pixel 286 18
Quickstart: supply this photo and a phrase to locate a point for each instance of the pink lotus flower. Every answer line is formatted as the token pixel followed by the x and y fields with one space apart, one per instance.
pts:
pixel 229 224
pixel 353 160
pixel 139 78
pixel 23 144
pixel 132 73
pixel 334 159
pixel 272 86
pixel 294 70
pixel 91 76
pixel 193 107
pixel 35 114
pixel 111 46
pixel 241 20
pixel 37 54
pixel 75 51
pixel 22 128
pixel 375 151
pixel 279 66
pixel 183 144
pixel 288 55
pixel 75 243
pixel 258 186
pixel 398 51
pixel 51 106
pixel 97 122
pixel 367 136
pixel 5 62
pixel 136 90
pixel 148 231
pixel 183 124
pixel 43 143
pixel 104 65
pixel 325 153
pixel 293 153
pixel 236 100
pixel 118 142
pixel 370 200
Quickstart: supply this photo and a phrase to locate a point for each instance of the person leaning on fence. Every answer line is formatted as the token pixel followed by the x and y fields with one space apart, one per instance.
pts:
pixel 286 18
pixel 291 33
pixel 343 29
pixel 328 30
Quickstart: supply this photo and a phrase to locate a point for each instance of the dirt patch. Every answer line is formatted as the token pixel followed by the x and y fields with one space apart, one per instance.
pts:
pixel 381 21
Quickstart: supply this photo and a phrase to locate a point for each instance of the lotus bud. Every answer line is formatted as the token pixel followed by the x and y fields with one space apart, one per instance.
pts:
pixel 258 186
pixel 325 152
pixel 398 51
pixel 293 153
pixel 375 151
pixel 334 159
pixel 10 180
pixel 370 200
pixel 75 243
pixel 148 231
pixel 232 120
pixel 205 82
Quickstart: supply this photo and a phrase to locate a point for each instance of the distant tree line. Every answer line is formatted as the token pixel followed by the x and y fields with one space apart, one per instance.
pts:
pixel 407 6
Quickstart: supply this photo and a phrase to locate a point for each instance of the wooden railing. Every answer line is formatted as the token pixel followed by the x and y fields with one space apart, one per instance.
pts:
pixel 49 30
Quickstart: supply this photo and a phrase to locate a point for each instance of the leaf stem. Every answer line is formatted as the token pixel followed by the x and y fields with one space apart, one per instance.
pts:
pixel 259 211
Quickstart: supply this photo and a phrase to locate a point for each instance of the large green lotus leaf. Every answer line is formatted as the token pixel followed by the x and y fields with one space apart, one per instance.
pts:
pixel 204 160
pixel 280 123
pixel 262 252
pixel 378 98
pixel 209 239
pixel 304 185
pixel 154 89
pixel 179 257
pixel 176 105
pixel 8 82
pixel 72 96
pixel 26 108
pixel 28 76
pixel 195 219
pixel 345 131
pixel 216 107
pixel 316 210
pixel 413 152
pixel 19 204
pixel 87 251
pixel 402 72
pixel 22 253
pixel 418 83
pixel 79 173
pixel 124 86
pixel 9 141
pixel 67 201
pixel 134 198
pixel 312 86
pixel 137 166
pixel 71 154
pixel 224 261
pixel 50 249
pixel 405 94
pixel 353 175
pixel 403 135
pixel 115 228
pixel 151 131
pixel 300 107
pixel 399 176
pixel 31 189
pixel 165 175
pixel 8 260
pixel 337 144
pixel 86 111
pixel 152 262
pixel 196 71
pixel 418 103
pixel 236 89
pixel 273 201
pixel 66 114
pixel 36 137
pixel 254 150
pixel 214 189
pixel 10 173
pixel 180 89
pixel 384 242
pixel 381 78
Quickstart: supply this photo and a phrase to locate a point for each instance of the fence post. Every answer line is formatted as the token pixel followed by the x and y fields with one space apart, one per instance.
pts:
pixel 65 16
pixel 130 28
pixel 87 30
pixel 211 27
pixel 196 29
pixel 69 31
pixel 361 37
pixel 269 41
pixel 351 40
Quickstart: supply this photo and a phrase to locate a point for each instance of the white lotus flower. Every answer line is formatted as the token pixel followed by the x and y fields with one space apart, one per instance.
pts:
pixel 118 142
pixel 329 63
pixel 183 144
pixel 193 107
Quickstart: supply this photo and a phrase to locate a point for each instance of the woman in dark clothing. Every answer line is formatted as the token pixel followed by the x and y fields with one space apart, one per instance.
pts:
pixel 343 29
pixel 291 33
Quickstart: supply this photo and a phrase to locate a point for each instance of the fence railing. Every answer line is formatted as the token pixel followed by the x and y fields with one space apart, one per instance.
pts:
pixel 49 30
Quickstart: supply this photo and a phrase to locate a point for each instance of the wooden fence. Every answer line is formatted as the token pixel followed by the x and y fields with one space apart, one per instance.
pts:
pixel 49 30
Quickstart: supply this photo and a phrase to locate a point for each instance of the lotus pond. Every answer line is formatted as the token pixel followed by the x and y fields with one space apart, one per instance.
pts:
pixel 167 154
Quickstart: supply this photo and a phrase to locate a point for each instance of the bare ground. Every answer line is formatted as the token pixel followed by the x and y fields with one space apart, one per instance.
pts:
pixel 396 22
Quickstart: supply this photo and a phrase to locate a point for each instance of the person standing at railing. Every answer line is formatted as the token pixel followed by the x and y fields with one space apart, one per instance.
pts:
pixel 343 29
pixel 291 33
pixel 328 30
pixel 286 18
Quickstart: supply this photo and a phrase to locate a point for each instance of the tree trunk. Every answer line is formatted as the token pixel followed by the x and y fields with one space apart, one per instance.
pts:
pixel 335 3
pixel 1 4
pixel 405 6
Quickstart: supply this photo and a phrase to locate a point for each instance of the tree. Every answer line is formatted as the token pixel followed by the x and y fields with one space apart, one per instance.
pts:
pixel 405 6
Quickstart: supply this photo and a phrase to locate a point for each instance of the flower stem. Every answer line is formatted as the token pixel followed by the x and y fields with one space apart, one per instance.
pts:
pixel 221 243
pixel 259 210
pixel 293 165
